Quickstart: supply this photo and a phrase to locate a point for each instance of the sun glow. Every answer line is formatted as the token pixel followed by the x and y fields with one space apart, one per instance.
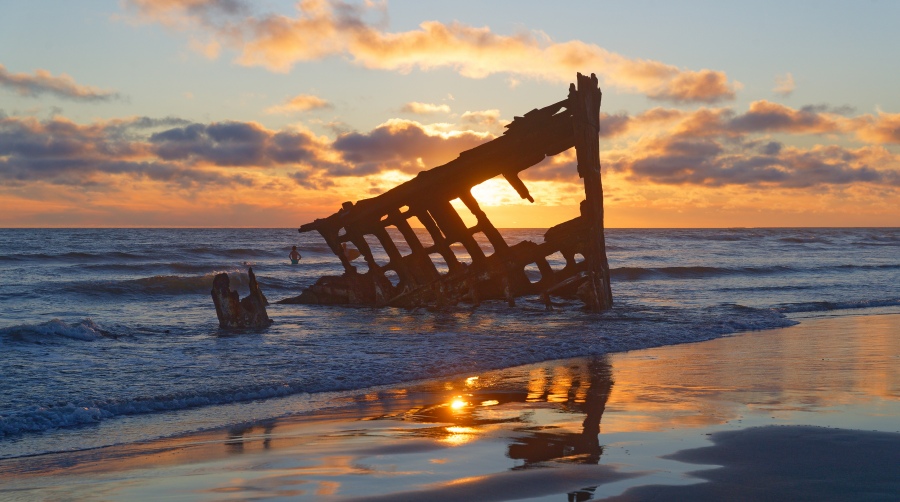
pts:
pixel 458 403
pixel 495 192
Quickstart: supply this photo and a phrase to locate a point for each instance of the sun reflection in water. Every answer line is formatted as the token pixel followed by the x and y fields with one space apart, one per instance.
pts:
pixel 458 403
pixel 459 435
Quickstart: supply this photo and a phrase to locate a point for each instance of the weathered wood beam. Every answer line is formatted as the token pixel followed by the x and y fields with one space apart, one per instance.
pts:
pixel 585 103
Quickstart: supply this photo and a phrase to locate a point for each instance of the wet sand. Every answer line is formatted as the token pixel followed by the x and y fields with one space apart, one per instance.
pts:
pixel 810 412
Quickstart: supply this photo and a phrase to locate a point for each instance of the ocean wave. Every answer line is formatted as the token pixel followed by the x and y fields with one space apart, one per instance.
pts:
pixel 878 243
pixel 640 273
pixel 72 256
pixel 824 306
pixel 884 266
pixel 142 266
pixel 804 240
pixel 43 418
pixel 316 249
pixel 230 252
pixel 180 284
pixel 163 284
pixel 891 237
pixel 698 272
pixel 84 330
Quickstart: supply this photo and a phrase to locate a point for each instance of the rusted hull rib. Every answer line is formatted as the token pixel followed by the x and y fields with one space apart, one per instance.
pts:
pixel 413 279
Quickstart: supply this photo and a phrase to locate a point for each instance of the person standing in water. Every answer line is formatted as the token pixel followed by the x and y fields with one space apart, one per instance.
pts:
pixel 295 256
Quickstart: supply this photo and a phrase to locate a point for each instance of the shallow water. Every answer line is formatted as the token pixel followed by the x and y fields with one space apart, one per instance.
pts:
pixel 109 336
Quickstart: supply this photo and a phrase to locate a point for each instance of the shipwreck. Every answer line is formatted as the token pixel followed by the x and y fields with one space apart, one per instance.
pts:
pixel 413 279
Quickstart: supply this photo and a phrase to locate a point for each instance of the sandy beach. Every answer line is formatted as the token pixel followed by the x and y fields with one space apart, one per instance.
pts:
pixel 809 412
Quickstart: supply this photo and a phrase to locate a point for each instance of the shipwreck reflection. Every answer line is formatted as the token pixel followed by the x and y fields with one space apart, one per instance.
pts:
pixel 471 408
pixel 582 447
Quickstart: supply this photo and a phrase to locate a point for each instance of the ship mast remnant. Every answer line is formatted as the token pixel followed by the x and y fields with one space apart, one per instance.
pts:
pixel 413 279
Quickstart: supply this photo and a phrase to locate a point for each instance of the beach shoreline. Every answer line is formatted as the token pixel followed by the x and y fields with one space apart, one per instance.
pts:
pixel 532 426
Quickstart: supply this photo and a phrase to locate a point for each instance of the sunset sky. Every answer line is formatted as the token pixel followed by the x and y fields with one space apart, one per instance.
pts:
pixel 240 113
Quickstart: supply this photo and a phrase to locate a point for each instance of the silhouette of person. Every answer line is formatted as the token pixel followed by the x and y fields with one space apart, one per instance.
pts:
pixel 295 256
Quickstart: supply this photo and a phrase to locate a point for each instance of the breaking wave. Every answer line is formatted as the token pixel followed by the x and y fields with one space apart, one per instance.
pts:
pixel 639 273
pixel 655 273
pixel 163 284
pixel 42 418
pixel 790 308
pixel 84 330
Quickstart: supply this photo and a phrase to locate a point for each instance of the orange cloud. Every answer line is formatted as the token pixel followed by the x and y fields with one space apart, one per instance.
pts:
pixel 488 120
pixel 403 145
pixel 424 108
pixel 181 13
pixel 767 116
pixel 194 155
pixel 43 82
pixel 706 162
pixel 885 128
pixel 300 103
pixel 325 28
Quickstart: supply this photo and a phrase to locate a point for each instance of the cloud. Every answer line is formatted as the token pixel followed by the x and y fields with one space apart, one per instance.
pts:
pixel 417 108
pixel 43 82
pixel 767 116
pixel 614 125
pixel 884 128
pixel 62 152
pixel 192 155
pixel 310 180
pixel 708 147
pixel 761 117
pixel 300 103
pixel 403 145
pixel 58 151
pixel 679 160
pixel 487 120
pixel 784 85
pixel 719 147
pixel 236 144
pixel 180 13
pixel 333 28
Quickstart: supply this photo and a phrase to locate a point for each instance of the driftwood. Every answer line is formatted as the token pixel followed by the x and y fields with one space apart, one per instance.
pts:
pixel 573 122
pixel 235 313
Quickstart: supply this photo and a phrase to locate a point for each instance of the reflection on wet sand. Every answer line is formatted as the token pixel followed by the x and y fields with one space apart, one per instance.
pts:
pixel 806 371
pixel 472 407
pixel 583 447
pixel 241 436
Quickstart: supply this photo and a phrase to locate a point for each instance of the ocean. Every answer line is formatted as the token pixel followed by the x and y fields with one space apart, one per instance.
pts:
pixel 109 336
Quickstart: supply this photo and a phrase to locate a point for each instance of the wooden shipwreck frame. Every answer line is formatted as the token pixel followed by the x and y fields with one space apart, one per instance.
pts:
pixel 414 280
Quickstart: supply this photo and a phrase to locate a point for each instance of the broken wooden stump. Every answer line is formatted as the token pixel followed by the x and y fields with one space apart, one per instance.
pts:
pixel 234 312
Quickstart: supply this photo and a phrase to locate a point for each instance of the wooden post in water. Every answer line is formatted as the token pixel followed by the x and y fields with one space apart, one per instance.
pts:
pixel 584 101
pixel 234 312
